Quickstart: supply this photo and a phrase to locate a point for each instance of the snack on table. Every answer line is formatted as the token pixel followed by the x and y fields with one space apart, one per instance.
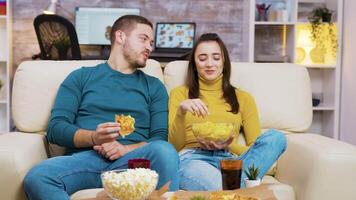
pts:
pixel 213 131
pixel 221 195
pixel 216 195
pixel 127 124
pixel 129 184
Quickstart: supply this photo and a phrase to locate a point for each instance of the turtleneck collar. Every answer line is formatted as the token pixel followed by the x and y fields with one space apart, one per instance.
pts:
pixel 211 85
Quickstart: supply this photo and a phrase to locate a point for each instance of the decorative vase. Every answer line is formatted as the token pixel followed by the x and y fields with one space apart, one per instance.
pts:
pixel 317 55
pixel 262 15
pixel 252 183
pixel 2 92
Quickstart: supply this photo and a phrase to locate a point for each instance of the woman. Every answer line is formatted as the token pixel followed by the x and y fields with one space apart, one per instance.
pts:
pixel 209 96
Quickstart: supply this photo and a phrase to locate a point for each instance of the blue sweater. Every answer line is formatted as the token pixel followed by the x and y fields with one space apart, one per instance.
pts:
pixel 93 95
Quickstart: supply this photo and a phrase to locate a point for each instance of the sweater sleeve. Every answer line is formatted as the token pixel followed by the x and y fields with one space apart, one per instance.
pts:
pixel 250 123
pixel 61 128
pixel 159 113
pixel 176 123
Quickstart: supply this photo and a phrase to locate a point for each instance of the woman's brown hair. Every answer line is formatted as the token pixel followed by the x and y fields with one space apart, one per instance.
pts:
pixel 192 80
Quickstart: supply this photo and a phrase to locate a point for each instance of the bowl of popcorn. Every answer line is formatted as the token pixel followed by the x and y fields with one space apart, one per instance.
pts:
pixel 213 131
pixel 129 184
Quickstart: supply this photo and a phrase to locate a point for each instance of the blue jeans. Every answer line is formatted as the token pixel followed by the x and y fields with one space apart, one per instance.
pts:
pixel 200 169
pixel 59 177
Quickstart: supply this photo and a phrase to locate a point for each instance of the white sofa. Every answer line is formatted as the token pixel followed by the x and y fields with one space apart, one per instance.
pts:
pixel 312 168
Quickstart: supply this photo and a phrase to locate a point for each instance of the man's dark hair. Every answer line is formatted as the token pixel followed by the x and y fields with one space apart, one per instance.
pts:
pixel 192 80
pixel 126 24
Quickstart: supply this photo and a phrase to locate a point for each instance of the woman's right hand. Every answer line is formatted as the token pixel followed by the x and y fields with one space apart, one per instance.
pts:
pixel 211 145
pixel 105 132
pixel 195 106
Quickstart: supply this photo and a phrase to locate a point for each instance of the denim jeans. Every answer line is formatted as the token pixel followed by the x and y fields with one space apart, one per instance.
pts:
pixel 59 177
pixel 200 169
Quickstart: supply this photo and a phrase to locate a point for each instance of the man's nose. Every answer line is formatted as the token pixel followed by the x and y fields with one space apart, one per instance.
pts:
pixel 149 47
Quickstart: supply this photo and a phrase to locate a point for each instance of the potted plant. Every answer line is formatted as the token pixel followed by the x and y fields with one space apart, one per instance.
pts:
pixel 322 32
pixel 262 11
pixel 62 45
pixel 252 179
pixel 197 198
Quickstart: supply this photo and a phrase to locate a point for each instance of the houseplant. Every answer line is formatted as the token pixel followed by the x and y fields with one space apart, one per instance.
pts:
pixel 322 30
pixel 252 179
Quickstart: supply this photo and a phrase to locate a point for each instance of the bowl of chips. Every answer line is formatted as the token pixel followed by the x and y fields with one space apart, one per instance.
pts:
pixel 213 131
pixel 129 184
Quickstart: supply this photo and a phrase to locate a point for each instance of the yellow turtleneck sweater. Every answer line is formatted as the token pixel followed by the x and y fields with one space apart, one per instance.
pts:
pixel 180 126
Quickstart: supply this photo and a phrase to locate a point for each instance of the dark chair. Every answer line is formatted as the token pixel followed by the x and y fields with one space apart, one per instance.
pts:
pixel 57 38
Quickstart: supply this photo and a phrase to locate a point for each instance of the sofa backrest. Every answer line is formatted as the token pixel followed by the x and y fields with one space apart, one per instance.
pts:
pixel 282 91
pixel 35 87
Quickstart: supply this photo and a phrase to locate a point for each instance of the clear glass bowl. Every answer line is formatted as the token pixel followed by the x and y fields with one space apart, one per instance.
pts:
pixel 129 184
pixel 213 131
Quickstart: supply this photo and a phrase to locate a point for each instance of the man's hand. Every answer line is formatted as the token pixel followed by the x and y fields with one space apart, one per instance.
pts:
pixel 111 150
pixel 195 106
pixel 105 133
pixel 114 150
pixel 211 145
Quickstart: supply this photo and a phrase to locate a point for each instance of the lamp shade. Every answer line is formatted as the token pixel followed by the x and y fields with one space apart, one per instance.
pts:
pixel 51 8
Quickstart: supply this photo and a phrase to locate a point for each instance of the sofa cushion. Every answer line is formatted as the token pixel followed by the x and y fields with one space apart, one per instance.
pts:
pixel 283 98
pixel 35 87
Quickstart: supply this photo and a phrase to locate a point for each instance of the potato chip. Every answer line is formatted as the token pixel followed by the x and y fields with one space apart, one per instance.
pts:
pixel 127 124
pixel 218 132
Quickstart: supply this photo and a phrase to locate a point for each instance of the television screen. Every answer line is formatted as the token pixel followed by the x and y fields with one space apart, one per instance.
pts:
pixel 93 25
pixel 175 35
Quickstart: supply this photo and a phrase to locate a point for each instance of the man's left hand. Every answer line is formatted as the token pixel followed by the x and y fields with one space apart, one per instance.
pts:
pixel 111 150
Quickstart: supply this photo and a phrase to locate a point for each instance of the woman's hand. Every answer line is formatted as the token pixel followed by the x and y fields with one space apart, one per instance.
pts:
pixel 211 145
pixel 195 106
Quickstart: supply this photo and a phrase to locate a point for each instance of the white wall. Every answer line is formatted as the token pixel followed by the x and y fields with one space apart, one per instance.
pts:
pixel 348 77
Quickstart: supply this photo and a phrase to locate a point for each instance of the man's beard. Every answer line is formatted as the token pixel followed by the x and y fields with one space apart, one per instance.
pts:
pixel 131 56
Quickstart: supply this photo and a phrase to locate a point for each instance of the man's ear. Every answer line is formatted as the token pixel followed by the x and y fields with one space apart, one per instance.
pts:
pixel 120 37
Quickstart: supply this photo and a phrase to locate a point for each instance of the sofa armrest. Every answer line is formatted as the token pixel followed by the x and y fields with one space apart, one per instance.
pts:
pixel 19 152
pixel 318 167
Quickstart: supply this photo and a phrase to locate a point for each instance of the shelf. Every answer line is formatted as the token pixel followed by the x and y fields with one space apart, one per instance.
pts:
pixel 320 66
pixel 311 1
pixel 5 59
pixel 290 38
pixel 273 23
pixel 302 23
pixel 307 23
pixel 322 107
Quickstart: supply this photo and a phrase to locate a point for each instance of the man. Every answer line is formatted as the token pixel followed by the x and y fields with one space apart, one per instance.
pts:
pixel 83 114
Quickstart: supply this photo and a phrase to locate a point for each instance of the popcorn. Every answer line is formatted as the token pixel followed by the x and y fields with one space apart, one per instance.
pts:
pixel 130 184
